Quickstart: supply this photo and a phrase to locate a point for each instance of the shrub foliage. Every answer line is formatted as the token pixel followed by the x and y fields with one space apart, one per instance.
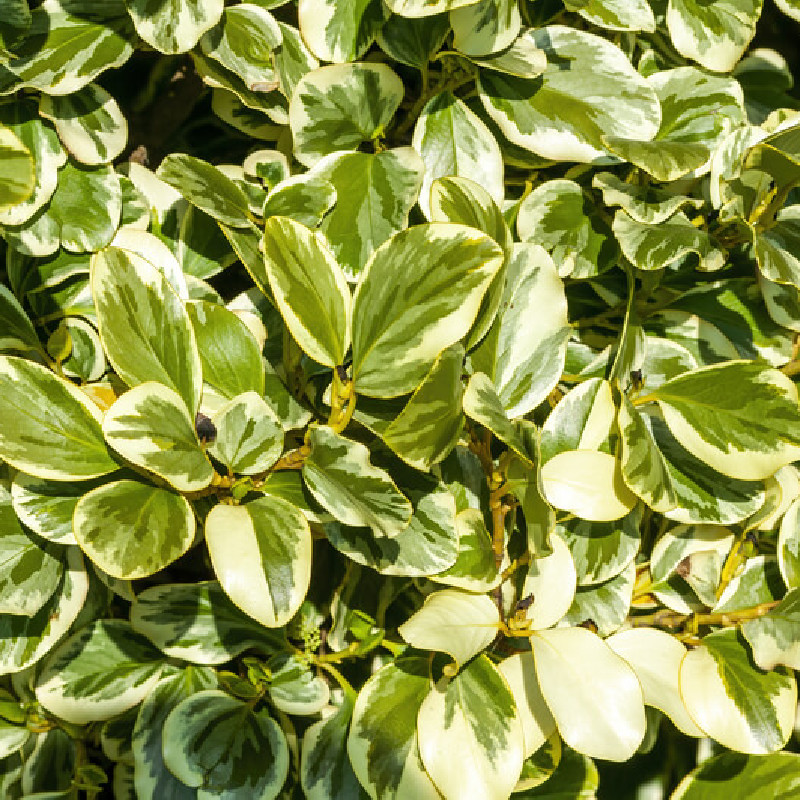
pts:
pixel 404 407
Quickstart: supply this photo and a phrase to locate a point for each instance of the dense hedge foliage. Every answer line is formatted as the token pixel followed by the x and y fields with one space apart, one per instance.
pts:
pixel 397 399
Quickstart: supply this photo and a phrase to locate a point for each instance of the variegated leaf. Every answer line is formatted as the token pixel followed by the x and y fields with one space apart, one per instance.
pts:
pixel 741 418
pixel 249 435
pixel 339 474
pixel 525 348
pixel 295 688
pixel 25 640
pixel 774 637
pixel 424 8
pixel 428 545
pixel 261 553
pixel 485 27
pixel 656 658
pixel 18 332
pixel 51 429
pixel 550 584
pixel 588 90
pixel 42 142
pixel 206 187
pixel 215 741
pixel 429 425
pixel 604 606
pixel 19 170
pixel 153 781
pixel 419 293
pixel 618 15
pixel 61 53
pixel 458 714
pixel 97 673
pixel 243 42
pixel 86 361
pixel 89 122
pixel 310 289
pixel 382 745
pixel 452 140
pixel 777 248
pixel 151 427
pixel 455 622
pixel 325 769
pixel 374 193
pixel 713 34
pixel 197 622
pixel 475 568
pixel 152 527
pixel 587 483
pixel 340 106
pixel 29 570
pixel 644 467
pixel 144 326
pixel 173 26
pixel 305 198
pixel 592 693
pixel 293 59
pixel 537 722
pixel 229 353
pixel 789 546
pixel 732 701
pixel 338 34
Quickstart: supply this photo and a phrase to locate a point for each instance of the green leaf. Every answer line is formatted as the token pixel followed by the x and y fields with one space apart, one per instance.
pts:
pixel 229 353
pixel 475 713
pixel 99 672
pixel 41 141
pixel 789 546
pixel 740 418
pixel 50 430
pixel 261 554
pixel 759 777
pixel 86 361
pixel 452 140
pixel 599 709
pixel 29 571
pixel 336 34
pixel 153 781
pixel 310 289
pixel 202 249
pixel 485 27
pixel 382 745
pixel 525 349
pixel 150 426
pixel 220 744
pixel 561 218
pixel 61 53
pixel 325 769
pixel 374 193
pixel 454 622
pixel 24 640
pixel 243 42
pixel 249 435
pixel 656 658
pixel 19 170
pixel 413 40
pixel 589 90
pixel 418 294
pixel 197 622
pixel 733 702
pixel 152 527
pixel 144 326
pixel 713 34
pixel 429 425
pixel 340 106
pixel 549 585
pixel 339 474
pixel 173 26
pixel 206 187
pixel 89 122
